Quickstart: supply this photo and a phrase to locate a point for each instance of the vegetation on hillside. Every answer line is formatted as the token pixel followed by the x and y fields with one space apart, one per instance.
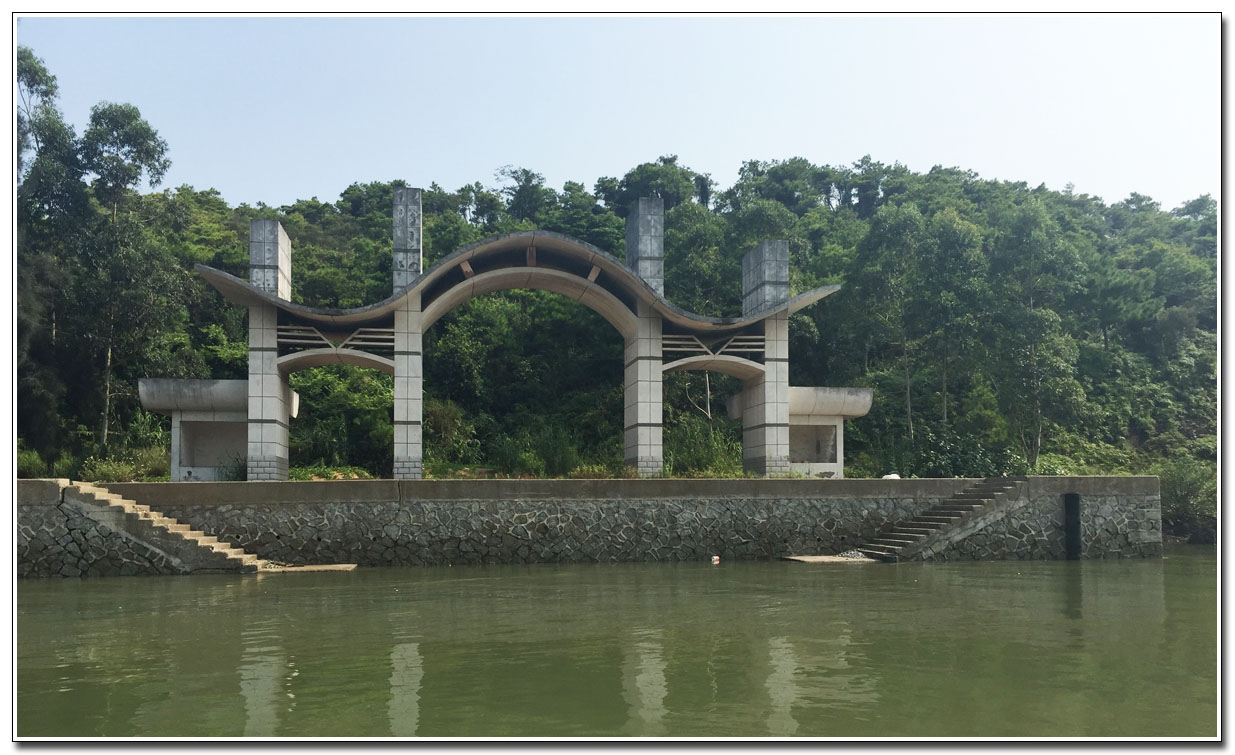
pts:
pixel 1004 328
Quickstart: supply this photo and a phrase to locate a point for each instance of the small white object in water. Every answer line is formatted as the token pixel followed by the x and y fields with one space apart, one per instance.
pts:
pixel 893 476
pixel 715 559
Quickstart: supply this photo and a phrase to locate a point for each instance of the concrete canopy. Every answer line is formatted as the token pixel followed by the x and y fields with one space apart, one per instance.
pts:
pixel 558 263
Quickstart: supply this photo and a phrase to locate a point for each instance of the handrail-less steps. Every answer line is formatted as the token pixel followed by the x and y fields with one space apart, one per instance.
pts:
pixel 195 551
pixel 900 537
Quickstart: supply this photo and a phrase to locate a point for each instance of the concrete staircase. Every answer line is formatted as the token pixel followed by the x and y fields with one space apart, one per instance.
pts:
pixel 195 552
pixel 904 539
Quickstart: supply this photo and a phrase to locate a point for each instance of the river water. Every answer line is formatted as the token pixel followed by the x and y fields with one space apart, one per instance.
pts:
pixel 753 649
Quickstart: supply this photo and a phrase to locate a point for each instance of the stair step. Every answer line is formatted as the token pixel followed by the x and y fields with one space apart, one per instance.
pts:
pixel 924 522
pixel 221 555
pixel 878 555
pixel 892 541
pixel 918 532
pixel 940 519
pixel 954 507
pixel 976 496
pixel 884 549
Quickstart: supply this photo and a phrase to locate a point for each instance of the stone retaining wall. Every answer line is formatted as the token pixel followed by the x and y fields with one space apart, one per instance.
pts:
pixel 57 538
pixel 426 522
pixel 1120 517
pixel 438 522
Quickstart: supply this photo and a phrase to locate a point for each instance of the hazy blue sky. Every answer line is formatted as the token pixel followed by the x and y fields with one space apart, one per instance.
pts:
pixel 273 110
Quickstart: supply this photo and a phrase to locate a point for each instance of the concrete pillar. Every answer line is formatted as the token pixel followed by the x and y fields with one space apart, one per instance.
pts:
pixel 765 412
pixel 176 474
pixel 765 276
pixel 269 398
pixel 644 396
pixel 270 258
pixel 645 241
pixel 409 391
pixel 407 237
pixel 270 268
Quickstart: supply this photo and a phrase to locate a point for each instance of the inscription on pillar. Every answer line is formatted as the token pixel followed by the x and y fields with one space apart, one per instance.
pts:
pixel 407 236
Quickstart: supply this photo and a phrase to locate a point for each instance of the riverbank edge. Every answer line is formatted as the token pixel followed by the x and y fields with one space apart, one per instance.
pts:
pixel 439 522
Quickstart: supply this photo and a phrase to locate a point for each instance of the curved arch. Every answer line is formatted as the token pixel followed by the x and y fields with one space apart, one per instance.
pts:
pixel 585 292
pixel 242 292
pixel 743 369
pixel 303 360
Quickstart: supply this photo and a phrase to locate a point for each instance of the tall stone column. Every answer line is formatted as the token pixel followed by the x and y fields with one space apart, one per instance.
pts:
pixel 409 391
pixel 407 261
pixel 644 396
pixel 270 268
pixel 645 241
pixel 765 410
pixel 645 255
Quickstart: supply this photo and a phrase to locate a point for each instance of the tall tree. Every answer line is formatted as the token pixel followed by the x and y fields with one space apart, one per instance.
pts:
pixel 120 148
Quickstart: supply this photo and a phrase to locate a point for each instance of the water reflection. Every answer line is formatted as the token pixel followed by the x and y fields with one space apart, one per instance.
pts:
pixel 782 690
pixel 643 683
pixel 262 678
pixel 627 650
pixel 406 671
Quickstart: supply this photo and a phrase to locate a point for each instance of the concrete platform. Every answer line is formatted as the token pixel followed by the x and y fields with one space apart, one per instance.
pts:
pixel 829 560
pixel 290 569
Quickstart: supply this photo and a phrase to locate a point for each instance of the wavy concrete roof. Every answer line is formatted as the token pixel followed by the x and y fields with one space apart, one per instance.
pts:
pixel 555 251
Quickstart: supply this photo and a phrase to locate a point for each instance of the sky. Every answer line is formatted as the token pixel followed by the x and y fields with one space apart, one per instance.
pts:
pixel 278 109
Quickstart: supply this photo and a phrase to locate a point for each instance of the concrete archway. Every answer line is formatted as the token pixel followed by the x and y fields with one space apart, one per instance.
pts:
pixel 629 295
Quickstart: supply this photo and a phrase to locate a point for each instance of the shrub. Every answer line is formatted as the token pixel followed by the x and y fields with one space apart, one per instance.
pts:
pixel 1189 496
pixel 318 472
pixel 94 469
pixel 695 447
pixel 29 463
pixel 512 456
pixel 137 465
pixel 590 472
pixel 554 448
pixel 449 436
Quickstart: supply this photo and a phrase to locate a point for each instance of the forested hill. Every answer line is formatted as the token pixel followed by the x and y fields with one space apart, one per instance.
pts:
pixel 1004 327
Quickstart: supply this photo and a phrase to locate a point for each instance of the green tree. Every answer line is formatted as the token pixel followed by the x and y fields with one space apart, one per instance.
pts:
pixel 120 148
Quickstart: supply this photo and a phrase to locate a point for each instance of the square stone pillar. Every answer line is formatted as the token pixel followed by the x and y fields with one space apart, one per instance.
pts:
pixel 409 392
pixel 270 269
pixel 765 412
pixel 270 258
pixel 408 258
pixel 765 276
pixel 645 241
pixel 765 405
pixel 644 396
pixel 269 398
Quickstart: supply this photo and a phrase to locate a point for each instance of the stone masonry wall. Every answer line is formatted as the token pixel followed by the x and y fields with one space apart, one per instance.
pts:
pixel 55 538
pixel 1120 517
pixel 439 522
pixel 436 522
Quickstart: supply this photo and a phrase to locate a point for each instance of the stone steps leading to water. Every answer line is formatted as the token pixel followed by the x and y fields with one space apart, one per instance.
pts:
pixel 196 551
pixel 937 520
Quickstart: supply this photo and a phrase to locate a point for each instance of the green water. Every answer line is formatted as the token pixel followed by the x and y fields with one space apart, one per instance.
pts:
pixel 1067 649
